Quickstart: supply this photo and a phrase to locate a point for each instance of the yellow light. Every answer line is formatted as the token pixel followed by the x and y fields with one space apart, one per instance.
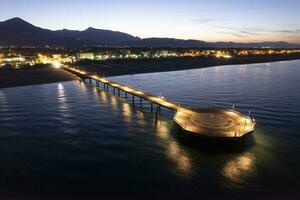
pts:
pixel 227 56
pixel 56 64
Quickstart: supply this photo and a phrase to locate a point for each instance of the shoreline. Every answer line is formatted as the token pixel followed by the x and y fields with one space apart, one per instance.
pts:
pixel 46 74
pixel 131 67
pixel 33 76
pixel 253 63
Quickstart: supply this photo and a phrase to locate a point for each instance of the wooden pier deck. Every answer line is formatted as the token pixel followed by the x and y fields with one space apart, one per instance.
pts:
pixel 213 123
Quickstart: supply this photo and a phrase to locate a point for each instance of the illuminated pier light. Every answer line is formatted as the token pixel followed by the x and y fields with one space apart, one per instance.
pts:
pixel 212 123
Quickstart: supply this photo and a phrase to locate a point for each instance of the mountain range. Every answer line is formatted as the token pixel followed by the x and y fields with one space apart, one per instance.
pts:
pixel 17 32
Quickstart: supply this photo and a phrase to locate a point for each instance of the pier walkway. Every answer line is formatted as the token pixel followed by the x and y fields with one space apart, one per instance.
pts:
pixel 212 123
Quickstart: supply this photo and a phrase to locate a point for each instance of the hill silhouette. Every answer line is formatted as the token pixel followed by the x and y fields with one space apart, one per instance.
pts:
pixel 17 32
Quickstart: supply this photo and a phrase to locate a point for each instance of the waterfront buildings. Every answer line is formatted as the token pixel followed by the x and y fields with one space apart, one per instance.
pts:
pixel 19 57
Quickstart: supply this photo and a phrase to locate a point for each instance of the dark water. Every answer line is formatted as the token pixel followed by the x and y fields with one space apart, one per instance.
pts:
pixel 74 140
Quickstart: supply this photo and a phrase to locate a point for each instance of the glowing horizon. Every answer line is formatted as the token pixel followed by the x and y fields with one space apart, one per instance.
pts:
pixel 216 20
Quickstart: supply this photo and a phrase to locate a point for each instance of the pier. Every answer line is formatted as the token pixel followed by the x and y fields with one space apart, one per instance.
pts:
pixel 211 123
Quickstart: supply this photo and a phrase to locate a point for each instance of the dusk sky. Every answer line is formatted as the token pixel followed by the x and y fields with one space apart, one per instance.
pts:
pixel 213 20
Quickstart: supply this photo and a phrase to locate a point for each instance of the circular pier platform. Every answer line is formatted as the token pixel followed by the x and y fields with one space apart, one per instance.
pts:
pixel 218 123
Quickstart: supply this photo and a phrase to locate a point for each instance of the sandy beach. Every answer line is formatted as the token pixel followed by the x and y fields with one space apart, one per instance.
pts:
pixel 32 76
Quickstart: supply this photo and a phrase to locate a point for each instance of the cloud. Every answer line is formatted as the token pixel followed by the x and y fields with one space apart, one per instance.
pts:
pixel 241 32
pixel 250 30
pixel 288 31
pixel 206 20
pixel 227 27
pixel 259 31
pixel 249 33
pixel 239 35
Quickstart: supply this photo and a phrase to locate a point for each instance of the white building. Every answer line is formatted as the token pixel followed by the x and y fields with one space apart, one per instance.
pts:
pixel 82 56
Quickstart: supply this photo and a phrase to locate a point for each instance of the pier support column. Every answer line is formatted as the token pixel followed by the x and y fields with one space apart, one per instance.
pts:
pixel 114 90
pixel 90 80
pixel 151 105
pixel 126 95
pixel 133 99
pixel 107 87
pixel 156 114
pixel 118 92
pixel 98 84
pixel 141 102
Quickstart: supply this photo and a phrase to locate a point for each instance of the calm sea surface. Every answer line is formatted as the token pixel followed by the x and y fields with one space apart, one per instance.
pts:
pixel 72 139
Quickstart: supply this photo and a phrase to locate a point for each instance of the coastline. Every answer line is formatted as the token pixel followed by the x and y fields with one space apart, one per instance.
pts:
pixel 130 67
pixel 47 74
pixel 33 76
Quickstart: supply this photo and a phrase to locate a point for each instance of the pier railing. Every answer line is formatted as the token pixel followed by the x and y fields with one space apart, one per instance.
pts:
pixel 192 120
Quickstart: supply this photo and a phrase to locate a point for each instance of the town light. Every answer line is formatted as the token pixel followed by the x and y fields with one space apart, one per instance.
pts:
pixel 56 64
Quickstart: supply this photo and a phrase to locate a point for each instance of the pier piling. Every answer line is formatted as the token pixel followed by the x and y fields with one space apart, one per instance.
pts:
pixel 197 121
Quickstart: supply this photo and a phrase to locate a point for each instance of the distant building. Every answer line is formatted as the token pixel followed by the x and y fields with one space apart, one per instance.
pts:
pixel 164 53
pixel 145 54
pixel 13 59
pixel 82 56
pixel 56 56
pixel 101 56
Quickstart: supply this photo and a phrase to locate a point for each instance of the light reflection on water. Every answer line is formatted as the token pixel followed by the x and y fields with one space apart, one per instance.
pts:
pixel 64 111
pixel 3 102
pixel 104 96
pixel 174 151
pixel 114 103
pixel 85 137
pixel 61 98
pixel 127 112
pixel 269 90
pixel 239 169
